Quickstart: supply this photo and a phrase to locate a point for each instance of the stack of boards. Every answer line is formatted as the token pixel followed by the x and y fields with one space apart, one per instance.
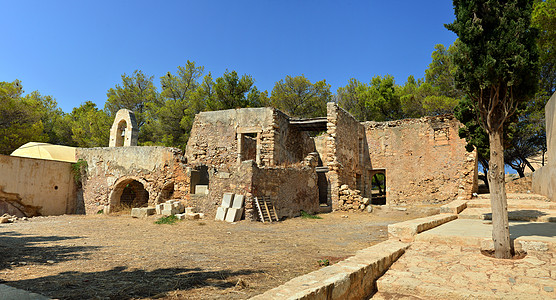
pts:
pixel 231 209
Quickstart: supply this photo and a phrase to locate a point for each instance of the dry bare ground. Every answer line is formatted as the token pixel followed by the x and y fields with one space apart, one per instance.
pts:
pixel 118 257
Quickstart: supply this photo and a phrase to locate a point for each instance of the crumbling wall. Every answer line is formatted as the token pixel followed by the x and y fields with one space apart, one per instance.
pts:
pixel 30 187
pixel 346 153
pixel 425 160
pixel 218 138
pixel 214 136
pixel 110 168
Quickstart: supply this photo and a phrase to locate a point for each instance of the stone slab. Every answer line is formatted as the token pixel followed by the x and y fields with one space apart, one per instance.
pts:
pixel 201 189
pixel 192 216
pixel 227 200
pixel 159 208
pixel 234 214
pixel 406 231
pixel 238 201
pixel 168 212
pixel 11 293
pixel 180 216
pixel 221 213
pixel 141 212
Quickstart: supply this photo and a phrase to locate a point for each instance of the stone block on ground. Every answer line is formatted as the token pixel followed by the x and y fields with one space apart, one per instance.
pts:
pixel 227 200
pixel 180 216
pixel 141 212
pixel 238 201
pixel 192 216
pixel 4 220
pixel 168 212
pixel 234 214
pixel 190 210
pixel 159 208
pixel 221 213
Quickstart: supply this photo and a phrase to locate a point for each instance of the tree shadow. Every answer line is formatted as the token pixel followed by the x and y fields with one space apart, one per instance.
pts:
pixel 546 229
pixel 17 249
pixel 529 215
pixel 121 283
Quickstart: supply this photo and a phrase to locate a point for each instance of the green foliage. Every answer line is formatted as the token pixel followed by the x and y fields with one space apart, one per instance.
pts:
pixel 136 93
pixel 306 215
pixel 496 59
pixel 544 19
pixel 78 170
pixel 323 262
pixel 298 97
pixel 171 219
pixel 351 98
pixel 90 126
pixel 20 118
pixel 232 91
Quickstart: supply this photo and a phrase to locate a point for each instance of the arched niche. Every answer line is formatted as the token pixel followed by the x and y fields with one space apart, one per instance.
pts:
pixel 129 192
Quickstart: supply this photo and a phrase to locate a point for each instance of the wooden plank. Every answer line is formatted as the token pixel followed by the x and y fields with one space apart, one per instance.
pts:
pixel 267 210
pixel 259 209
pixel 274 210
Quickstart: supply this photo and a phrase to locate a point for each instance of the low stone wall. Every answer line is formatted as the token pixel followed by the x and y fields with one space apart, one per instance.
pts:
pixel 31 187
pixel 111 169
pixel 353 278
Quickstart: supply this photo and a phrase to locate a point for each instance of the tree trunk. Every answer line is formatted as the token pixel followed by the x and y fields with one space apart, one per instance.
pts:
pixel 498 202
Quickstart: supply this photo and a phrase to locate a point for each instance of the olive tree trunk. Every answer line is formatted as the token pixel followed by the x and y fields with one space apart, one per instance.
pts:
pixel 498 202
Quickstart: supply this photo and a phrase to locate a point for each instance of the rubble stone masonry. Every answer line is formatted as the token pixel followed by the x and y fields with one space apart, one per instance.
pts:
pixel 111 169
pixel 425 160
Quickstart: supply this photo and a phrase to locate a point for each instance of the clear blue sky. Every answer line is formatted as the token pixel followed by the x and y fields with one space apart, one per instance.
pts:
pixel 77 50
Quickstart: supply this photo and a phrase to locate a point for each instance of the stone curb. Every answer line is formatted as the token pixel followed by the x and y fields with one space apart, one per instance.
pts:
pixel 406 231
pixel 8 292
pixel 454 207
pixel 353 278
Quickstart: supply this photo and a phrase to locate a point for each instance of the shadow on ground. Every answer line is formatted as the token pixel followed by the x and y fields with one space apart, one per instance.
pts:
pixel 529 215
pixel 19 249
pixel 121 283
pixel 546 229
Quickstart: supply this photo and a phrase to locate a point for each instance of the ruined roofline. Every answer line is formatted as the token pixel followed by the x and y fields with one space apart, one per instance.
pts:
pixel 409 121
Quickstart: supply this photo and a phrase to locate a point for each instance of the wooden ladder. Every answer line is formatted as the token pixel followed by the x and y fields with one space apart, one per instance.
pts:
pixel 267 212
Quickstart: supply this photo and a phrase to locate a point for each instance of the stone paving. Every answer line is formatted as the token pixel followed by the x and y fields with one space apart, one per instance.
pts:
pixel 436 271
pixel 446 262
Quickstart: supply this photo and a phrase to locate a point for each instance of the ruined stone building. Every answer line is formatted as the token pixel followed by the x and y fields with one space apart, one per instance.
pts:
pixel 315 165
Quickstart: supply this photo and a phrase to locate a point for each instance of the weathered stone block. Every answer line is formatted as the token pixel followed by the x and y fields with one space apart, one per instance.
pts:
pixel 159 208
pixel 180 216
pixel 141 212
pixel 221 213
pixel 192 216
pixel 234 214
pixel 227 200
pixel 238 201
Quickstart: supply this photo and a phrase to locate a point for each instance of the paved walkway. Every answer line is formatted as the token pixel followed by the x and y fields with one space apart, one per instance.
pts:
pixel 446 263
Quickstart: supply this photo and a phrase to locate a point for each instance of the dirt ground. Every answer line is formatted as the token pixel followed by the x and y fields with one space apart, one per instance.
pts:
pixel 119 257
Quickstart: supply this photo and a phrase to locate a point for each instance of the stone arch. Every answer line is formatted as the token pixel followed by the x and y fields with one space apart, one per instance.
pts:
pixel 124 131
pixel 166 193
pixel 132 191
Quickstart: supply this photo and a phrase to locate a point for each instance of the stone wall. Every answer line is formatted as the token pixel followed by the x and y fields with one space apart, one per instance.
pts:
pixel 221 139
pixel 425 160
pixel 346 154
pixel 292 189
pixel 110 170
pixel 544 179
pixel 31 187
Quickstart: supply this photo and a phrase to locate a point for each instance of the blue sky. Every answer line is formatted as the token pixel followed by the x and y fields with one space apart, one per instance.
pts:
pixel 77 50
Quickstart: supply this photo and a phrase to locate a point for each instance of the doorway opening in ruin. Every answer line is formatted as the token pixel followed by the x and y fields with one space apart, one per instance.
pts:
pixel 167 193
pixel 378 187
pixel 324 186
pixel 199 181
pixel 248 146
pixel 127 194
pixel 120 134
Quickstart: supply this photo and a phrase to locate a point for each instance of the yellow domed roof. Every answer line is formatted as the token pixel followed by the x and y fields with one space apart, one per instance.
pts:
pixel 46 151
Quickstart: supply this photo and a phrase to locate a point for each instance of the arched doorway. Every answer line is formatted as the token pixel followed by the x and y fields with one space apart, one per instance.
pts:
pixel 129 193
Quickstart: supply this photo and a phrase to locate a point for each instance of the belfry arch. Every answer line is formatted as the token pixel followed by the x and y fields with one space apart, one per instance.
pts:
pixel 124 131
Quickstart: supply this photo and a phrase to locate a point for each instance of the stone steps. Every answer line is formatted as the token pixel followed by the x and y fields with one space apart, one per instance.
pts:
pixel 515 201
pixel 530 215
